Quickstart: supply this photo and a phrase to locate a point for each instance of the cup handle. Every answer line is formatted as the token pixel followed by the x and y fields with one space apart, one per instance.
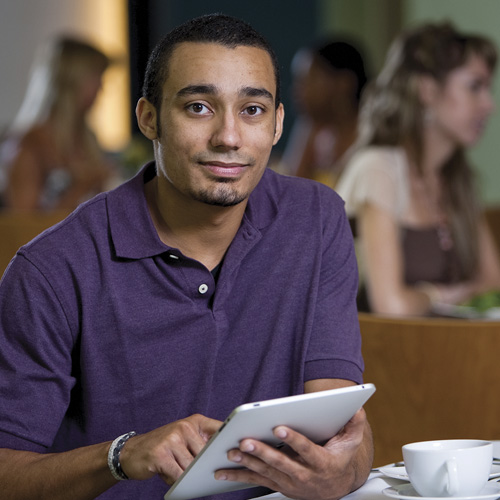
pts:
pixel 452 473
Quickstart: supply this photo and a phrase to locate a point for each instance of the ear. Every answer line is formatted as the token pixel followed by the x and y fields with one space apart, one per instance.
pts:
pixel 428 89
pixel 147 118
pixel 278 127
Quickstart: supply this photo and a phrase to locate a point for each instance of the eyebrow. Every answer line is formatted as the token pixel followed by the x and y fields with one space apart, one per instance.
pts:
pixel 213 90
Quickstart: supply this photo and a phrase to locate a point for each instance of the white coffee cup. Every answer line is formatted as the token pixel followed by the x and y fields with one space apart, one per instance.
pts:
pixel 448 468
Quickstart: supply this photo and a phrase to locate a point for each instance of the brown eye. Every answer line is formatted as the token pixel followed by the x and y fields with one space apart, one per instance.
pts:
pixel 198 108
pixel 254 110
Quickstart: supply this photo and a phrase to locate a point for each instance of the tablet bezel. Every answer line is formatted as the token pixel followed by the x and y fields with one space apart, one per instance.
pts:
pixel 317 415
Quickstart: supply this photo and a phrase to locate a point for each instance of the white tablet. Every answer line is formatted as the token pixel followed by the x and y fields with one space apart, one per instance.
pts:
pixel 317 415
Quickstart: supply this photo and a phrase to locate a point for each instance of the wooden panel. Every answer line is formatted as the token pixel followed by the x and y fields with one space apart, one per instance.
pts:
pixel 435 378
pixel 17 228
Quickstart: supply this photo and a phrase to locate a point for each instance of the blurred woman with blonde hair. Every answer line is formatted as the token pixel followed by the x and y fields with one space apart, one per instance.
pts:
pixel 50 158
pixel 409 187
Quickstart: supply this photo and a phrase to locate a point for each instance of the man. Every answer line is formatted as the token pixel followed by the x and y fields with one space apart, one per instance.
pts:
pixel 200 284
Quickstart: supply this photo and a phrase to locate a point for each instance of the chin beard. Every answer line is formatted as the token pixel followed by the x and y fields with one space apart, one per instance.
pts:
pixel 223 195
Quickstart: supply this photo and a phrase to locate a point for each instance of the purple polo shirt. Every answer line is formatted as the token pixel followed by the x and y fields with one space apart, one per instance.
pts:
pixel 104 329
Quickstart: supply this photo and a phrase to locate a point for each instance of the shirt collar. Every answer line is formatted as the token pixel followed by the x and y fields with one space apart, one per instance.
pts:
pixel 132 230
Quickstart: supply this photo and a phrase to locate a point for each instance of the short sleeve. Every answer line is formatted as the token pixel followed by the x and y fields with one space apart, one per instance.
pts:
pixel 334 349
pixel 35 359
pixel 378 176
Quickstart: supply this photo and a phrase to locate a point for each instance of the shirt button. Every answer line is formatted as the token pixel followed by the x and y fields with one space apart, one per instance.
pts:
pixel 203 288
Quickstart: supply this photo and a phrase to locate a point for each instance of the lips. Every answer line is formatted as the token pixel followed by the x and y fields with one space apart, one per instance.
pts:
pixel 222 169
pixel 478 127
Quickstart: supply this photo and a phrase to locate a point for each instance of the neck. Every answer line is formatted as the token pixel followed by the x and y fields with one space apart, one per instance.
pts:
pixel 437 150
pixel 200 231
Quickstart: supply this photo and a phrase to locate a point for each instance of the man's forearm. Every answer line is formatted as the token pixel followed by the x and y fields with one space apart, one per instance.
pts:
pixel 80 474
pixel 364 459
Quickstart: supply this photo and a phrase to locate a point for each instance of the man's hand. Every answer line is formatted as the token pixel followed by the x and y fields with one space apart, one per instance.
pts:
pixel 311 472
pixel 167 451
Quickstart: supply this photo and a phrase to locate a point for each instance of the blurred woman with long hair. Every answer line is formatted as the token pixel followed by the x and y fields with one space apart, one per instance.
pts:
pixel 409 187
pixel 51 158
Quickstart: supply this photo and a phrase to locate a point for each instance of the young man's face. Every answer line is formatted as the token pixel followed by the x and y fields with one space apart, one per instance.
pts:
pixel 218 122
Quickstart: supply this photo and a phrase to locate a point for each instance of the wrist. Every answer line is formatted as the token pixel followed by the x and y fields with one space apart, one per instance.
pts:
pixel 114 451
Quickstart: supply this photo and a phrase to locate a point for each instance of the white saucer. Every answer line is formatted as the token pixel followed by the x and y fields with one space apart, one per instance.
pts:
pixel 406 492
pixel 400 472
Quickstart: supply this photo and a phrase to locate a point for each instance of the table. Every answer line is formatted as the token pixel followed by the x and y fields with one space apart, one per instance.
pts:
pixel 372 489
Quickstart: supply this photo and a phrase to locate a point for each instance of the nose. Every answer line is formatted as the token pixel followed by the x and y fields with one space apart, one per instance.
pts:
pixel 226 133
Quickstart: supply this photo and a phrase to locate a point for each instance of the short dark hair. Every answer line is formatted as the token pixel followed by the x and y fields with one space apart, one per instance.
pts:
pixel 343 55
pixel 212 28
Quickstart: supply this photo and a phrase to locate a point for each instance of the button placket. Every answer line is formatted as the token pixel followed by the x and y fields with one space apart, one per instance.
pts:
pixel 195 275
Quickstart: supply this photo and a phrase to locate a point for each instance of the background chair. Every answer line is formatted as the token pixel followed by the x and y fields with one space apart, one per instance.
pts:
pixel 435 379
pixel 17 228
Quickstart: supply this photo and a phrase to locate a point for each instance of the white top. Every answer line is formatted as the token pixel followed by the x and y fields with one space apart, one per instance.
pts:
pixel 379 175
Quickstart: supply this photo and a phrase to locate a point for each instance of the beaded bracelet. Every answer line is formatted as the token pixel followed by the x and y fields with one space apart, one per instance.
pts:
pixel 114 456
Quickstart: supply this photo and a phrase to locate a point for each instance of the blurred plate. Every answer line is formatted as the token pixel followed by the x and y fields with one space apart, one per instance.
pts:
pixel 465 312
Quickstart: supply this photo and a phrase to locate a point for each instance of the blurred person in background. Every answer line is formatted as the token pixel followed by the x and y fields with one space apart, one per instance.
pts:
pixel 422 240
pixel 50 158
pixel 328 81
